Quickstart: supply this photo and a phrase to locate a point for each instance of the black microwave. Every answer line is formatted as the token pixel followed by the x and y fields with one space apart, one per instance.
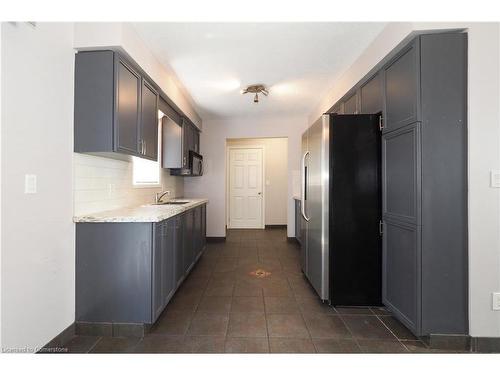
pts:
pixel 195 163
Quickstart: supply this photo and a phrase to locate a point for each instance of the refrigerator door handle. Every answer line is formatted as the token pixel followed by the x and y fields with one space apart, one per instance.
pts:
pixel 304 187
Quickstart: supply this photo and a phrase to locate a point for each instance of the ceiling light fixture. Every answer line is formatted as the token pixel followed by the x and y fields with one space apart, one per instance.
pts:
pixel 256 89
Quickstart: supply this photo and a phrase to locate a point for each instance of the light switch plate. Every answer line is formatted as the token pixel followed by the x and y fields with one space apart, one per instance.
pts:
pixel 495 178
pixel 30 184
pixel 495 301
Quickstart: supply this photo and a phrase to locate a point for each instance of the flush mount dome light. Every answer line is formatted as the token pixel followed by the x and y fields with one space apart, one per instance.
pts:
pixel 255 89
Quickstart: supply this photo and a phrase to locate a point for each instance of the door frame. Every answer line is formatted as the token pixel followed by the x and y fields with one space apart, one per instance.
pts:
pixel 228 169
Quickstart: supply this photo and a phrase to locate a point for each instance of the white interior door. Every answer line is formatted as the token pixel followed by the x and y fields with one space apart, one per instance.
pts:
pixel 245 188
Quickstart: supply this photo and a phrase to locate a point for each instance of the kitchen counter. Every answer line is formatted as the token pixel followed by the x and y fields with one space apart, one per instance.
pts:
pixel 147 213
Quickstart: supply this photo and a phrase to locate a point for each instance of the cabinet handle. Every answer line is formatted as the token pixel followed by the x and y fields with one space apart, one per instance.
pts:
pixel 145 147
pixel 184 161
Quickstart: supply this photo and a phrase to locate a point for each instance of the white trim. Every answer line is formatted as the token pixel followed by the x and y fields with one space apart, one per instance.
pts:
pixel 263 168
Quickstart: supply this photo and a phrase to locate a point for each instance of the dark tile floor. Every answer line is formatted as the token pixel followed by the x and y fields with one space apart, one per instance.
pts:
pixel 223 307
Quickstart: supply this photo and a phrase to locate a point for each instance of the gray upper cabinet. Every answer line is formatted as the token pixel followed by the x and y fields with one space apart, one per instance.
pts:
pixel 370 94
pixel 116 108
pixel 178 140
pixel 196 141
pixel 337 109
pixel 149 121
pixel 401 80
pixel 351 105
pixel 186 142
pixel 401 174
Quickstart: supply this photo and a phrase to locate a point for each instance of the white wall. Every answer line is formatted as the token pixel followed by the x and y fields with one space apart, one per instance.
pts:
pixel 212 184
pixel 38 275
pixel 276 176
pixel 484 151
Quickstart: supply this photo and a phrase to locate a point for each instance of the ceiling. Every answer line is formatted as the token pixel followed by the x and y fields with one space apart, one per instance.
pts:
pixel 298 62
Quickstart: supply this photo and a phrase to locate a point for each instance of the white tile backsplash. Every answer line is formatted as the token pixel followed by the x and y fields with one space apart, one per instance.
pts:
pixel 102 184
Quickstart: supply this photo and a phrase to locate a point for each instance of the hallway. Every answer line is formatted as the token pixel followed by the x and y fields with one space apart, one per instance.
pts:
pixel 248 295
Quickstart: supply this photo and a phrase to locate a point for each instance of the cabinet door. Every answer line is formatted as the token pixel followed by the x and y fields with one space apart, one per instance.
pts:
pixel 157 266
pixel 401 272
pixel 196 141
pixel 187 240
pixel 186 142
pixel 203 226
pixel 401 88
pixel 401 174
pixel 371 95
pixel 127 118
pixel 168 264
pixel 351 105
pixel 149 121
pixel 337 109
pixel 197 231
pixel 179 249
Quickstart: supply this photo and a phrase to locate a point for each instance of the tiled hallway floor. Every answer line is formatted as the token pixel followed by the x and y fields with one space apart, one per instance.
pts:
pixel 223 307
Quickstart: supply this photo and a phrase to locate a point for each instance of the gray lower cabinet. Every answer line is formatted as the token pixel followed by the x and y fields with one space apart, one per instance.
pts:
pixel 298 220
pixel 188 240
pixel 197 230
pixel 179 251
pixel 401 269
pixel 116 107
pixel 128 272
pixel 164 265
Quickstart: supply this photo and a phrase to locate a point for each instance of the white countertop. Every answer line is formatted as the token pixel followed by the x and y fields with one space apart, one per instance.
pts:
pixel 147 213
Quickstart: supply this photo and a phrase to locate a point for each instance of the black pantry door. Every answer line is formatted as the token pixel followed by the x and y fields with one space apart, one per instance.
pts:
pixel 355 210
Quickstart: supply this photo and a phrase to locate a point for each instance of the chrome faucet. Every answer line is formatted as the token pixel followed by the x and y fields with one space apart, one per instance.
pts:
pixel 159 196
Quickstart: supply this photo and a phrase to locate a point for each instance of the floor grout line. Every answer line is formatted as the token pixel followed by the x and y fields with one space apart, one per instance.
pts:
pixel 95 344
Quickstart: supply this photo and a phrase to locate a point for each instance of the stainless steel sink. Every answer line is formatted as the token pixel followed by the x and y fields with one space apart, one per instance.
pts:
pixel 170 202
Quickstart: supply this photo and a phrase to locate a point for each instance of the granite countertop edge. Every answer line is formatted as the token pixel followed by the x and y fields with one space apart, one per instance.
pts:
pixel 146 213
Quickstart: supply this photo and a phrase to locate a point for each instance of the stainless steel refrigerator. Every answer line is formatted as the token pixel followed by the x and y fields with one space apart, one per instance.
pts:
pixel 341 210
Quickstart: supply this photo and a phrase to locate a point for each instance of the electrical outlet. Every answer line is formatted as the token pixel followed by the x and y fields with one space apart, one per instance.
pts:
pixel 495 301
pixel 30 184
pixel 495 178
pixel 111 189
